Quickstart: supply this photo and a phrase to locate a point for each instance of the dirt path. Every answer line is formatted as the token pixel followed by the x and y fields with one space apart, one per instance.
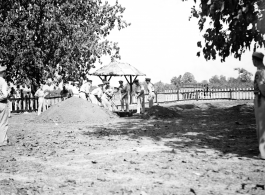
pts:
pixel 210 149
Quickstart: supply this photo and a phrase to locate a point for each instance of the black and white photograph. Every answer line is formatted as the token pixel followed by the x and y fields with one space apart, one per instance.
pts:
pixel 130 97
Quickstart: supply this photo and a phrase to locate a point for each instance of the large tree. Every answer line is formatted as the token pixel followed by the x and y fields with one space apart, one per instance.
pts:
pixel 176 81
pixel 244 75
pixel 229 26
pixel 188 78
pixel 44 38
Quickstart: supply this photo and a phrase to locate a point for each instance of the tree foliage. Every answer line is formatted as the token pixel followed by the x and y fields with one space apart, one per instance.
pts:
pixel 222 82
pixel 244 75
pixel 188 78
pixel 161 87
pixel 176 81
pixel 42 38
pixel 230 26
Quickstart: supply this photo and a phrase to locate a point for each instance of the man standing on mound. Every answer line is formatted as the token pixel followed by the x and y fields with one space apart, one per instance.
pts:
pixel 139 91
pixel 107 99
pixel 96 95
pixel 3 107
pixel 259 101
pixel 75 89
pixel 85 90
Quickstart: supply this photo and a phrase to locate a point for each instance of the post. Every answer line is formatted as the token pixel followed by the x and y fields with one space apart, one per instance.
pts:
pixel 130 89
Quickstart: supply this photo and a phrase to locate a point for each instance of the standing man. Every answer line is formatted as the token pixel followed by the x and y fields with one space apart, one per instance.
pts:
pixel 106 86
pixel 259 101
pixel 75 89
pixel 85 90
pixel 151 92
pixel 3 107
pixel 124 96
pixel 107 99
pixel 96 95
pixel 139 92
pixel 40 93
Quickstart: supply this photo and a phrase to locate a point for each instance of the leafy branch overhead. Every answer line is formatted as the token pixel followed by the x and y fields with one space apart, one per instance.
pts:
pixel 42 38
pixel 229 26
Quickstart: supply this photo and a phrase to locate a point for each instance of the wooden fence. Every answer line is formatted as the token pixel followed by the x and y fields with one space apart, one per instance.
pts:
pixel 17 105
pixel 211 94
pixel 31 104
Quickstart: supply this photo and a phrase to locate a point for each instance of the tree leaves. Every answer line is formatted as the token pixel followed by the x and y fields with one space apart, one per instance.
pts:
pixel 235 25
pixel 41 38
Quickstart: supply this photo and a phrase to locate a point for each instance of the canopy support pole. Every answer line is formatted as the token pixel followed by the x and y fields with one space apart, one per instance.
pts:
pixel 131 83
pixel 127 80
pixel 101 78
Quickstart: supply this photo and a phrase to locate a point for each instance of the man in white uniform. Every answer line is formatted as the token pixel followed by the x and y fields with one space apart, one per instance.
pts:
pixel 96 95
pixel 139 93
pixel 85 90
pixel 259 101
pixel 151 92
pixel 107 98
pixel 75 89
pixel 124 96
pixel 40 93
pixel 3 107
pixel 106 86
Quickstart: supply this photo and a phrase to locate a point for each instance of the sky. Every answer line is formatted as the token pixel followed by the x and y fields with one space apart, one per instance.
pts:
pixel 162 43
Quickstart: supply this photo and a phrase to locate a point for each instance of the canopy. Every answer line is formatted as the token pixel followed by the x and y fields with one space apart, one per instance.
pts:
pixel 118 69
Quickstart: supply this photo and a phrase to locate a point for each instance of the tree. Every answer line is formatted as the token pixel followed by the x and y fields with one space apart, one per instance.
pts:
pixel 176 81
pixel 214 79
pixel 159 86
pixel 244 75
pixel 233 26
pixel 42 38
pixel 223 80
pixel 204 82
pixel 188 78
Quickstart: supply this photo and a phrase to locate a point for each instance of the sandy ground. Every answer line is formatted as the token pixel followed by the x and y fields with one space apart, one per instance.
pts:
pixel 211 148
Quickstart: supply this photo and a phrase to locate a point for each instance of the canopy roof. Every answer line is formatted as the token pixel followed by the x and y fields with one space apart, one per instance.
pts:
pixel 118 69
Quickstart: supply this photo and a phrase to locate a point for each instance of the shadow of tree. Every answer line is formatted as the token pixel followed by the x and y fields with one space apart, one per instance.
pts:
pixel 227 130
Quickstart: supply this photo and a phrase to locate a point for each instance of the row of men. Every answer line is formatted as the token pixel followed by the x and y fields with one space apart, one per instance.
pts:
pixel 103 94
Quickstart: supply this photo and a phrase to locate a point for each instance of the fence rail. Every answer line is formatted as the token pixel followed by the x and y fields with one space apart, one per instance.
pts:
pixel 211 94
pixel 26 104
pixel 31 104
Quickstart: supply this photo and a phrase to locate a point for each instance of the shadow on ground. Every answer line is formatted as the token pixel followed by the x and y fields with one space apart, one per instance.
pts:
pixel 225 129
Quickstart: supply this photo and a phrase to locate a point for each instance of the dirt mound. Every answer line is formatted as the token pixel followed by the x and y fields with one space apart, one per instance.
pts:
pixel 75 110
pixel 243 108
pixel 160 112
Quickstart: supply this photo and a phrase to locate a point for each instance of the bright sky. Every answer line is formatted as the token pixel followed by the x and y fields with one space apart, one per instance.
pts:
pixel 162 43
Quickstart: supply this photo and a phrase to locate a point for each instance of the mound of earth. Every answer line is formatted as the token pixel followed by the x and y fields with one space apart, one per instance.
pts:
pixel 160 112
pixel 243 107
pixel 75 110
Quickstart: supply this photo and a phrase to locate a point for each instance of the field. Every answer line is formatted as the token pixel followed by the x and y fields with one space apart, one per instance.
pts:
pixel 210 148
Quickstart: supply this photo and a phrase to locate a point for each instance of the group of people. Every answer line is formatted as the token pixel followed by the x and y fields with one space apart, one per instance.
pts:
pixel 103 95
pixel 106 94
